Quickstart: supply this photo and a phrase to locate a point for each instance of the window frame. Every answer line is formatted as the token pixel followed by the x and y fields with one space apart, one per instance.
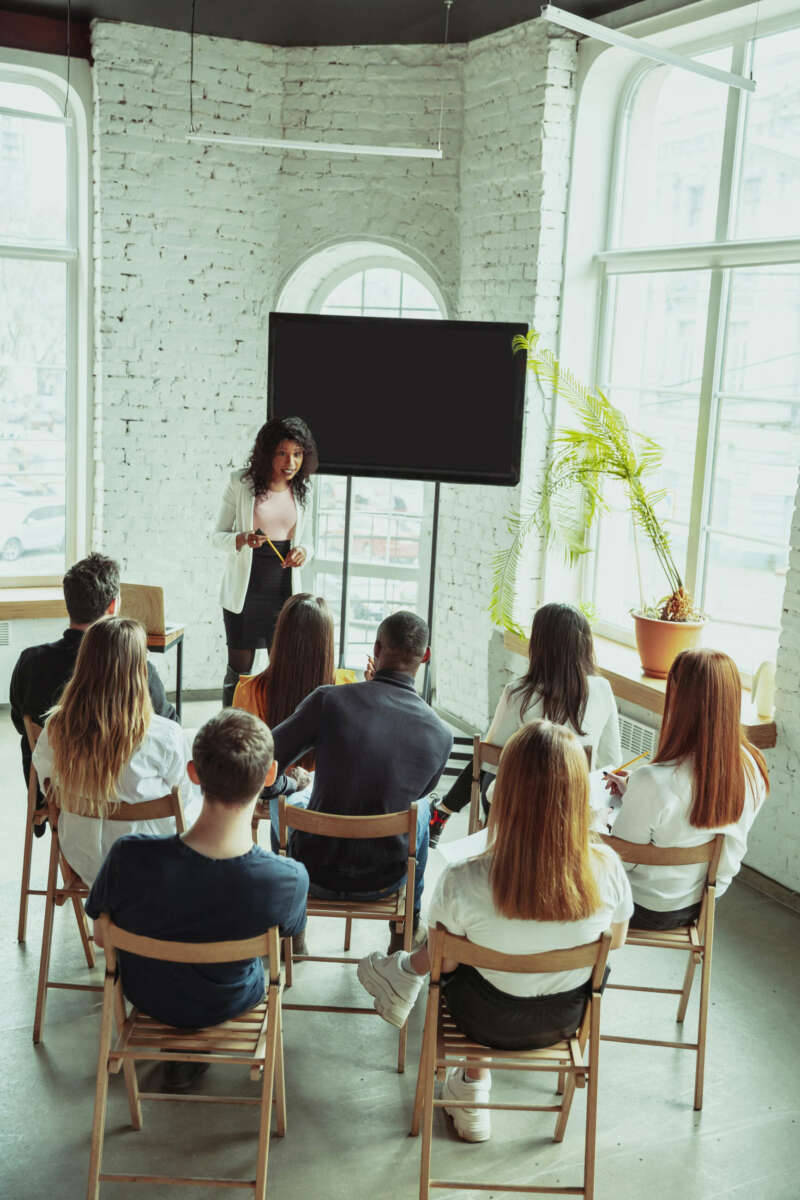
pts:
pixel 49 75
pixel 589 270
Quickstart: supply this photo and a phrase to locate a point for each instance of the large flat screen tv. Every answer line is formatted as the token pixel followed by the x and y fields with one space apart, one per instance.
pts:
pixel 402 399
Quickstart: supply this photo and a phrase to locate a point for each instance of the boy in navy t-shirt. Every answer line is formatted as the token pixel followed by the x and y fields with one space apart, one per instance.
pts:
pixel 210 884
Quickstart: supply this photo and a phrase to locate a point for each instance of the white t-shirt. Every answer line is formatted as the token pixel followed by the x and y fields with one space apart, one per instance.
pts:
pixel 600 721
pixel 656 809
pixel 155 767
pixel 463 902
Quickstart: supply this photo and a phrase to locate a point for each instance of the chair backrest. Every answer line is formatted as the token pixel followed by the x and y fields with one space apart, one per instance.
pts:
pixel 151 810
pixel 488 754
pixel 445 945
pixel 113 939
pixel 32 731
pixel 646 854
pixel 337 826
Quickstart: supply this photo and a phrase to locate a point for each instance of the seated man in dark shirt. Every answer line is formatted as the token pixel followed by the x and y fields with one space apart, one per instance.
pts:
pixel 379 747
pixel 211 884
pixel 91 589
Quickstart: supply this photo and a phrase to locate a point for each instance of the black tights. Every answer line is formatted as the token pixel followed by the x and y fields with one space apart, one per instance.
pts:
pixel 241 661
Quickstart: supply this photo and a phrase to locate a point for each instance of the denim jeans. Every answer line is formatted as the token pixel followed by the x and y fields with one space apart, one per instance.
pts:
pixel 421 857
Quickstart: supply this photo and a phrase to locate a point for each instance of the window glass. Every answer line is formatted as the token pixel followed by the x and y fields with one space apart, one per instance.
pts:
pixel 769 179
pixel 33 319
pixel 33 168
pixel 673 153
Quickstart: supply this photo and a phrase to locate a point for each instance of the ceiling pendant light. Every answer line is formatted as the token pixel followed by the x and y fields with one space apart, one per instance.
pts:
pixel 623 40
pixel 284 143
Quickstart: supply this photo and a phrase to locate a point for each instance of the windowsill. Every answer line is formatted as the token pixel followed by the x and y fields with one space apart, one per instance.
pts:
pixel 621 667
pixel 31 603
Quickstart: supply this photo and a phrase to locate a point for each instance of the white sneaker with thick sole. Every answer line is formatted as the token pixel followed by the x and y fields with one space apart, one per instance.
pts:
pixel 395 989
pixel 472 1124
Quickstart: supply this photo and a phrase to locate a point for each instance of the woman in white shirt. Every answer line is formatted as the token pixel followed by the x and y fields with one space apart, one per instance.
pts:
pixel 705 778
pixel 260 528
pixel 561 685
pixel 543 884
pixel 103 743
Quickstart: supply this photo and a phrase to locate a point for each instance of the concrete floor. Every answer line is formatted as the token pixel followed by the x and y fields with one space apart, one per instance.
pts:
pixel 348 1109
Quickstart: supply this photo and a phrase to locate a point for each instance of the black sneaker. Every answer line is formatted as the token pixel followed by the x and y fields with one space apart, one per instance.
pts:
pixel 439 818
pixel 181 1076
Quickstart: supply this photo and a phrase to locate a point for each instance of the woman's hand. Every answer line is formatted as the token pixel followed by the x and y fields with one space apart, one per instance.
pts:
pixel 301 776
pixel 295 558
pixel 251 539
pixel 617 781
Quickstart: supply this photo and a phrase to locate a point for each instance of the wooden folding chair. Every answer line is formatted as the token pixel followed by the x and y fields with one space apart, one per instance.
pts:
pixel 34 816
pixel 397 908
pixel 696 939
pixel 483 754
pixel 254 1039
pixel 488 754
pixel 443 1045
pixel 148 810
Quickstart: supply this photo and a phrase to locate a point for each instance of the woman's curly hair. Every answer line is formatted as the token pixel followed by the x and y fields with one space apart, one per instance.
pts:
pixel 269 437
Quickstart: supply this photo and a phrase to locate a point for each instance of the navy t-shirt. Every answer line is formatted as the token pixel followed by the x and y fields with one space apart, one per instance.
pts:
pixel 159 887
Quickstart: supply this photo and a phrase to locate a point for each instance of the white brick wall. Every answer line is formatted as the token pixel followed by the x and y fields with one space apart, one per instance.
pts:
pixel 518 99
pixel 774 847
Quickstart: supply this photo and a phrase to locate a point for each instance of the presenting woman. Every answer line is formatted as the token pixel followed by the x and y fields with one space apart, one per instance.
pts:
pixel 260 527
pixel 542 884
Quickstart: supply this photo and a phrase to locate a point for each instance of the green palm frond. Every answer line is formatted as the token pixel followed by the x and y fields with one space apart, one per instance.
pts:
pixel 602 445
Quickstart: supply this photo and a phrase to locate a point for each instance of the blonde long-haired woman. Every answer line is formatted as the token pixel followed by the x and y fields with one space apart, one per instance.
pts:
pixel 542 884
pixel 705 778
pixel 103 743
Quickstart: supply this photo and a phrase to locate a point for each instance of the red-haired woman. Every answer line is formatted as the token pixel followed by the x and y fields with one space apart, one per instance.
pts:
pixel 705 778
pixel 542 884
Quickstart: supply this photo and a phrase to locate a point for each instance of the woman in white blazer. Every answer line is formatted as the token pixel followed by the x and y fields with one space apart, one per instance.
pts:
pixel 260 529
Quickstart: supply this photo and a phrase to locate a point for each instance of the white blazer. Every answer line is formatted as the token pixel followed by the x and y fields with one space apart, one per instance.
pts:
pixel 236 516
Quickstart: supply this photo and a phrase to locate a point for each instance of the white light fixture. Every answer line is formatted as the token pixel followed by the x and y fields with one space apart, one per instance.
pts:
pixel 614 38
pixel 230 139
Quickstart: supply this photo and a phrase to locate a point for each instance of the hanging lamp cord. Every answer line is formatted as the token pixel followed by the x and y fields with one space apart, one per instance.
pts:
pixel 69 53
pixel 191 71
pixel 448 4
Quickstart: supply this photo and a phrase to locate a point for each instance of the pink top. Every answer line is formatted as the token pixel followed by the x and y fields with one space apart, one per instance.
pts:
pixel 275 514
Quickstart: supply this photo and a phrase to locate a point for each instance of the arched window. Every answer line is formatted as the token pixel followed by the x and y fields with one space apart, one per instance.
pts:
pixel 700 332
pixel 390 520
pixel 43 325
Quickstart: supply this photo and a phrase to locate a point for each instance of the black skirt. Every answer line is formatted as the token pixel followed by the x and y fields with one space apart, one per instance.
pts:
pixel 269 588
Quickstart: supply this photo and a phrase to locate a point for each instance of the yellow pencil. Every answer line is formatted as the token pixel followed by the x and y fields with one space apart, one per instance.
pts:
pixel 624 766
pixel 280 556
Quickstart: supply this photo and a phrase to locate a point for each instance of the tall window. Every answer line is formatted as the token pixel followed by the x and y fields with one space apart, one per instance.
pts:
pixel 39 236
pixel 390 520
pixel 700 333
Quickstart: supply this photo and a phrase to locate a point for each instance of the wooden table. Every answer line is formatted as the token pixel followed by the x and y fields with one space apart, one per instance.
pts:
pixel 33 603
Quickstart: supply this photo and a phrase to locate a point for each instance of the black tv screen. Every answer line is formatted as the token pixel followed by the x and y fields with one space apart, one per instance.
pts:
pixel 402 399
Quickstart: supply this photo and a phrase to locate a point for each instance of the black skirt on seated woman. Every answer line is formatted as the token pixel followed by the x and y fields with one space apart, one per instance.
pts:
pixel 649 918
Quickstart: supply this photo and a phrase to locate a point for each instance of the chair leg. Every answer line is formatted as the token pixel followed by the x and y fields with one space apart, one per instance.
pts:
pixel 702 1024
pixel 591 1105
pixel 47 941
pixel 566 1105
pixel 401 1049
pixel 83 931
pixel 128 1065
pixel 27 855
pixel 560 1083
pixel 287 961
pixel 100 1096
pixel 348 929
pixel 425 1066
pixel 427 1119
pixel 267 1090
pixel 688 979
pixel 280 1080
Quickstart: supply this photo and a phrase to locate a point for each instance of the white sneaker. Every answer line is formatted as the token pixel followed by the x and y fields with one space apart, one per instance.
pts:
pixel 472 1124
pixel 395 989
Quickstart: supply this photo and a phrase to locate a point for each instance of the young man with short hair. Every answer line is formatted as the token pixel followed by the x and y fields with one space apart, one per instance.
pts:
pixel 211 884
pixel 91 589
pixel 379 747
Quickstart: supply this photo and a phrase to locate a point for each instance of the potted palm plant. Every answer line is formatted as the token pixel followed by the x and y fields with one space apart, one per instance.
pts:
pixel 600 447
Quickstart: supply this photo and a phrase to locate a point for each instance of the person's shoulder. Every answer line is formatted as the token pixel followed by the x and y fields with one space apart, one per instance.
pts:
pixel 601 687
pixel 238 475
pixel 134 848
pixel 164 731
pixel 36 656
pixel 275 867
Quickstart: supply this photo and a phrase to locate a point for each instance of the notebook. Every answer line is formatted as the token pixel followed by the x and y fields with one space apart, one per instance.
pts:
pixel 146 604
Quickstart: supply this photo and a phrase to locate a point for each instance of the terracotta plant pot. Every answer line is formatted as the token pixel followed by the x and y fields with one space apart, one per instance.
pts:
pixel 660 642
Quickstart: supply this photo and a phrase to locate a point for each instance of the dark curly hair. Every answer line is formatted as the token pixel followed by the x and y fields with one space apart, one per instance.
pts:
pixel 259 464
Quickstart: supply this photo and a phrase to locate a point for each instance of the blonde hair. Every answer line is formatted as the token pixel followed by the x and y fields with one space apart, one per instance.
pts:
pixel 539 837
pixel 702 724
pixel 102 717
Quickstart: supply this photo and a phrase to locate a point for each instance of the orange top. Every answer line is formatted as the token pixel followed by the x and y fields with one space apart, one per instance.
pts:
pixel 246 694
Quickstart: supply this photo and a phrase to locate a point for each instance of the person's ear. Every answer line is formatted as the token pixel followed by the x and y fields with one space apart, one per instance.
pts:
pixel 426 656
pixel 113 607
pixel 191 771
pixel 271 775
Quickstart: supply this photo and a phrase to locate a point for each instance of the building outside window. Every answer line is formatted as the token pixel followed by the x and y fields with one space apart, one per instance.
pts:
pixel 700 334
pixel 41 232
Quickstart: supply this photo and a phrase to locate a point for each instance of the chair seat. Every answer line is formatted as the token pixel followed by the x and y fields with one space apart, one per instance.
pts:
pixel 453 1047
pixel 390 906
pixel 685 937
pixel 238 1037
